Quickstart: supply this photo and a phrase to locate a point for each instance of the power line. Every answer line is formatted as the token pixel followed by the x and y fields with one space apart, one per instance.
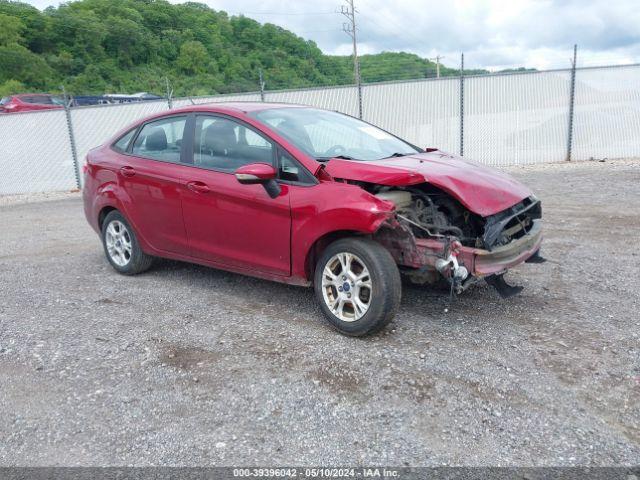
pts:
pixel 407 30
pixel 312 31
pixel 278 13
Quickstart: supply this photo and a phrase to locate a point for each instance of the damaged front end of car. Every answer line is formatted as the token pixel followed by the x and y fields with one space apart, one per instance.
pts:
pixel 433 237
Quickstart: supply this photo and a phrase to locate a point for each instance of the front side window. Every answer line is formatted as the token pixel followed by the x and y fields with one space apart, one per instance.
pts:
pixel 222 144
pixel 161 139
pixel 324 135
pixel 291 171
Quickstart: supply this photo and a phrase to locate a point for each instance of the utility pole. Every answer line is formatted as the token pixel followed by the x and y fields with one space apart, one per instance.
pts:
pixel 349 28
pixel 437 60
pixel 261 85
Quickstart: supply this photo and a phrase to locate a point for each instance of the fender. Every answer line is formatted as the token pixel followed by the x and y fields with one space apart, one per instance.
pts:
pixel 342 207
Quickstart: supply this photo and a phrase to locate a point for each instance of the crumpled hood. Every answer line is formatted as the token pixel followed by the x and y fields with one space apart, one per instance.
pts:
pixel 482 190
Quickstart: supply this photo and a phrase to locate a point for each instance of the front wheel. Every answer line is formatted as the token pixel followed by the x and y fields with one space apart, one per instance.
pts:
pixel 358 286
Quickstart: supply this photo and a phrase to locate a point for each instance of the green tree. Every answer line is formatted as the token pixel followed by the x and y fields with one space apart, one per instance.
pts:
pixel 11 30
pixel 18 63
pixel 11 87
pixel 193 57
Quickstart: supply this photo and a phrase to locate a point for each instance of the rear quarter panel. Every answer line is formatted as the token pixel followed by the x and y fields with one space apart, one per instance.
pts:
pixel 101 185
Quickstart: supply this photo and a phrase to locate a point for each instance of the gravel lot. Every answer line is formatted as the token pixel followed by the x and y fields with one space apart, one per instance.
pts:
pixel 186 365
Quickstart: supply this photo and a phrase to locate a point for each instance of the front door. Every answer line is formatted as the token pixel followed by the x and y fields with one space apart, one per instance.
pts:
pixel 226 222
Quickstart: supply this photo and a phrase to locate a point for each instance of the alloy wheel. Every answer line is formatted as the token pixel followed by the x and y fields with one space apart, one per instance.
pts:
pixel 118 241
pixel 347 286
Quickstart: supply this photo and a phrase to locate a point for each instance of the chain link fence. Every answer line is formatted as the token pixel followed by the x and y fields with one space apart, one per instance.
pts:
pixel 35 153
pixel 424 112
pixel 509 119
pixel 517 119
pixel 607 113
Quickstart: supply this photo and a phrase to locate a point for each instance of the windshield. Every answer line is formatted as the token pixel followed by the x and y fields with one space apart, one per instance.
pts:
pixel 324 135
pixel 5 100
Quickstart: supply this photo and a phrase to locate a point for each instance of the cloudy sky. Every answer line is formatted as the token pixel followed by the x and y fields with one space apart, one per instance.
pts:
pixel 493 34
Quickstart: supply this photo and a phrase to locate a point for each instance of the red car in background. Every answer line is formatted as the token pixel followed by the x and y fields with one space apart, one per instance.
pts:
pixel 27 102
pixel 309 197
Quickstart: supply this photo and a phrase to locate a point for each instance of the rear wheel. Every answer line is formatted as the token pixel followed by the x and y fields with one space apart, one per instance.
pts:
pixel 358 286
pixel 121 245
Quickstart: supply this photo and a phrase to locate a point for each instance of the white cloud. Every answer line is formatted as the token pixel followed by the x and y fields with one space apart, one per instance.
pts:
pixel 492 33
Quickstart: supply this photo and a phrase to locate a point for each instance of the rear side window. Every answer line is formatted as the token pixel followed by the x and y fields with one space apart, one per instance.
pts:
pixel 161 140
pixel 122 144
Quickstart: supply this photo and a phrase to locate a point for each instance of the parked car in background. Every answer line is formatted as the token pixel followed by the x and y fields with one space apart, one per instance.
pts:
pixel 112 98
pixel 308 197
pixel 85 100
pixel 132 98
pixel 27 102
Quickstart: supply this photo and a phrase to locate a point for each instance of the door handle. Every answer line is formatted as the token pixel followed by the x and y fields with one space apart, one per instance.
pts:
pixel 127 171
pixel 198 187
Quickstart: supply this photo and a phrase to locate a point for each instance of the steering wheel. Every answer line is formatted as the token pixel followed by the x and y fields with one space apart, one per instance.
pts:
pixel 335 151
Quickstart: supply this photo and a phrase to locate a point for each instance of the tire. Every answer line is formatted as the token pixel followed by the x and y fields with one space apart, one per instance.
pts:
pixel 381 295
pixel 121 246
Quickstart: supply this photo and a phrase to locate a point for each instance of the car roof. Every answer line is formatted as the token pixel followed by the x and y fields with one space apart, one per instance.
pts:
pixel 244 107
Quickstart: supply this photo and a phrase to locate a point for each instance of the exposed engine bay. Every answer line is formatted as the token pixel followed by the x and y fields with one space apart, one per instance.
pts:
pixel 433 215
pixel 434 237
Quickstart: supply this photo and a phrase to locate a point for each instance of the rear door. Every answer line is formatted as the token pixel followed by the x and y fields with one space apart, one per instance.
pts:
pixel 150 172
pixel 226 222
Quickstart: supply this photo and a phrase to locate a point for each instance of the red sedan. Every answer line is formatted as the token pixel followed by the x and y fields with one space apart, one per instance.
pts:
pixel 28 102
pixel 309 197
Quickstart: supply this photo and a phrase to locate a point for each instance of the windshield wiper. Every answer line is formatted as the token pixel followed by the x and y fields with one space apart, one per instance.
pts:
pixel 398 154
pixel 341 157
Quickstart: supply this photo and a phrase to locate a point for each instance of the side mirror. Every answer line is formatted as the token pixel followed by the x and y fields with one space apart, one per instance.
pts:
pixel 255 173
pixel 262 173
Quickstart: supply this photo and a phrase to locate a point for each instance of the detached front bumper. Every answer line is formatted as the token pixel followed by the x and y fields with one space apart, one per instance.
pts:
pixel 480 262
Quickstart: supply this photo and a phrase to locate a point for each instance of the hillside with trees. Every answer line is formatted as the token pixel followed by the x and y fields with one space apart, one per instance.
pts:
pixel 126 46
